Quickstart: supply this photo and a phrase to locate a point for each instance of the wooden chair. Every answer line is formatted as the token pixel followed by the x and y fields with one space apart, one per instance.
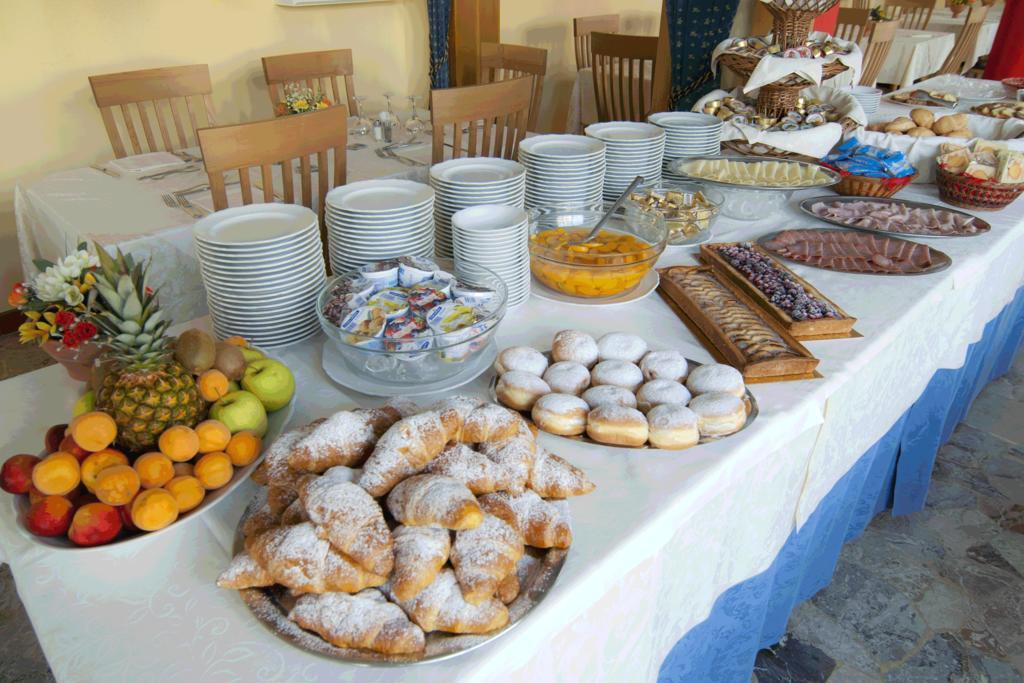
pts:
pixel 167 94
pixel 318 71
pixel 913 14
pixel 880 37
pixel 962 57
pixel 852 24
pixel 861 4
pixel 502 107
pixel 582 27
pixel 502 61
pixel 623 76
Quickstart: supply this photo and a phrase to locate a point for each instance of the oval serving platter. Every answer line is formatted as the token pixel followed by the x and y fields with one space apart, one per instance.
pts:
pixel 805 206
pixel 675 169
pixel 941 260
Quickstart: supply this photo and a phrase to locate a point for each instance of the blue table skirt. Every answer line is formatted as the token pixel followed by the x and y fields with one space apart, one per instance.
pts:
pixel 893 473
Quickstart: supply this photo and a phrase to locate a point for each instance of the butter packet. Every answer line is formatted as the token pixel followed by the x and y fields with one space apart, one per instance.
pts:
pixel 1011 167
pixel 980 171
pixel 989 146
pixel 955 162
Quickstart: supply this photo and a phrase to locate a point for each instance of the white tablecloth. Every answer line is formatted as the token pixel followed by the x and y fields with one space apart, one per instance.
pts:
pixel 662 537
pixel 914 55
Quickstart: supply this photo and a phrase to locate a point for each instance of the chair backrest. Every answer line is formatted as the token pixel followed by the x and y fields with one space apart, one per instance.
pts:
pixel 502 62
pixel 913 14
pixel 502 107
pixel 852 24
pixel 167 95
pixel 961 58
pixel 880 37
pixel 582 27
pixel 318 71
pixel 623 75
pixel 860 4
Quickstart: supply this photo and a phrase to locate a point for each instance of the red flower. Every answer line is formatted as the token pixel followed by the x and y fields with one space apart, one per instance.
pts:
pixel 64 318
pixel 71 339
pixel 85 330
pixel 17 296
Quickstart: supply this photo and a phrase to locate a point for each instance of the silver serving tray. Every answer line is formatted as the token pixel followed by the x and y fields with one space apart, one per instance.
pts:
pixel 271 605
pixel 673 167
pixel 806 205
pixel 942 261
pixel 749 401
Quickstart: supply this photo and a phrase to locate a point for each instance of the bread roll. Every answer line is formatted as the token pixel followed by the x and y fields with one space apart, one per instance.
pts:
pixel 963 133
pixel 947 124
pixel 922 117
pixel 920 132
pixel 899 125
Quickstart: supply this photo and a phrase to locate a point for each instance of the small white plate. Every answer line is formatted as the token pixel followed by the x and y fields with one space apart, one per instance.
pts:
pixel 643 289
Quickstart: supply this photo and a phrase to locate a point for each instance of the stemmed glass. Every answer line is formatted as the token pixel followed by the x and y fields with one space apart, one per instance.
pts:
pixel 414 124
pixel 392 116
pixel 362 125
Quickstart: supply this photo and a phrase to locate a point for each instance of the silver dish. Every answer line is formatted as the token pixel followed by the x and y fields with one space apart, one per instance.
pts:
pixel 673 168
pixel 806 205
pixel 942 261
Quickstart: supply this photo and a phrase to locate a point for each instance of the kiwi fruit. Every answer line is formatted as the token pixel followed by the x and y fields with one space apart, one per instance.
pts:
pixel 229 360
pixel 195 350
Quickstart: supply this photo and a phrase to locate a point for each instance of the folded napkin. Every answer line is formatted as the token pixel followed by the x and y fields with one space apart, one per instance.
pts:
pixel 773 67
pixel 151 162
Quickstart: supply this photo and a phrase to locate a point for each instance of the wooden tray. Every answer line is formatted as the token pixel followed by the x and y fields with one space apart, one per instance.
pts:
pixel 793 362
pixel 827 328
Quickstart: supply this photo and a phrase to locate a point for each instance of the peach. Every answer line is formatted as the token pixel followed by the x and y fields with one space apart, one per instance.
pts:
pixel 237 341
pixel 155 469
pixel 214 435
pixel 94 524
pixel 57 474
pixel 188 491
pixel 54 435
pixel 16 473
pixel 243 448
pixel 117 485
pixel 183 469
pixel 179 443
pixel 154 509
pixel 99 461
pixel 214 470
pixel 68 445
pixel 50 516
pixel 125 513
pixel 212 385
pixel 34 495
pixel 93 431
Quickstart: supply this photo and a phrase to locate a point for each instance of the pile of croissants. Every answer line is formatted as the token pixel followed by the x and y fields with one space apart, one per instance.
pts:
pixel 388 523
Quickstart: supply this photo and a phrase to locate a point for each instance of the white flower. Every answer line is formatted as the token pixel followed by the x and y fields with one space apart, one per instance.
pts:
pixel 68 268
pixel 49 285
pixel 72 296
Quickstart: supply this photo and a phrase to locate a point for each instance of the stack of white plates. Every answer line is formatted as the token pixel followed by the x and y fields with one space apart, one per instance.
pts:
pixel 374 220
pixel 631 149
pixel 461 183
pixel 868 97
pixel 263 268
pixel 689 134
pixel 496 237
pixel 562 169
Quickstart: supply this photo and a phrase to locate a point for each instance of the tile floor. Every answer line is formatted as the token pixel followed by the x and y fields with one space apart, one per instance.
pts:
pixel 933 596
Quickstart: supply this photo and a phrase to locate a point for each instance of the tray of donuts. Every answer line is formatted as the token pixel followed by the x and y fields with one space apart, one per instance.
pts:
pixel 616 391
pixel 397 535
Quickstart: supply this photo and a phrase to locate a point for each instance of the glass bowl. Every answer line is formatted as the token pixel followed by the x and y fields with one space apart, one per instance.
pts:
pixel 613 263
pixel 688 219
pixel 747 204
pixel 431 357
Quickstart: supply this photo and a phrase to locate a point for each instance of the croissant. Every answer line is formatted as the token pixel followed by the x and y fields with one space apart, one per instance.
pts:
pixel 479 473
pixel 441 607
pixel 407 447
pixel 279 476
pixel 420 552
pixel 244 572
pixel 261 519
pixel 484 556
pixel 348 517
pixel 295 557
pixel 427 499
pixel 366 621
pixel 553 477
pixel 345 438
pixel 508 589
pixel 490 422
pixel 543 524
pixel 462 404
pixel 294 514
pixel 515 454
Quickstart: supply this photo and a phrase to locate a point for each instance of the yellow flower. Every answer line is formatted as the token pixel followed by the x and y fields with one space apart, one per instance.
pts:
pixel 33 315
pixel 301 104
pixel 28 332
pixel 321 105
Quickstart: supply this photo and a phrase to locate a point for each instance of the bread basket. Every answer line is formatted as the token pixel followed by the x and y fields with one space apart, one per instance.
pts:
pixel 862 186
pixel 973 193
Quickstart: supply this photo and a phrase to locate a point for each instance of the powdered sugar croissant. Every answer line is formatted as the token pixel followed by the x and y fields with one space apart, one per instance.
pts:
pixel 420 552
pixel 366 621
pixel 433 499
pixel 543 524
pixel 345 438
pixel 407 447
pixel 479 473
pixel 483 557
pixel 553 477
pixel 441 607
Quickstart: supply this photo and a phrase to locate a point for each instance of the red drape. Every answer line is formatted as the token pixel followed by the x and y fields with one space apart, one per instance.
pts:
pixel 827 22
pixel 1007 56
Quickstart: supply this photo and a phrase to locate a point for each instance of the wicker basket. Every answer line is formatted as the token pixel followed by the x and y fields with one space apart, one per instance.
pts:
pixel 862 186
pixel 972 193
pixel 792 24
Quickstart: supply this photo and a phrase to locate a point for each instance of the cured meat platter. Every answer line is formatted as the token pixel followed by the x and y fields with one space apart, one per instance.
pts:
pixel 854 251
pixel 894 217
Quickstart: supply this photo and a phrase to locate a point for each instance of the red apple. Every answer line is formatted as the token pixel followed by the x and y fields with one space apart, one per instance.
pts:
pixel 94 524
pixel 50 516
pixel 34 495
pixel 16 473
pixel 54 435
pixel 68 445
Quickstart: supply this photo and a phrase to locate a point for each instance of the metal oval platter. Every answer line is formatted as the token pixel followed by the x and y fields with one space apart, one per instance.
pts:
pixel 805 206
pixel 674 168
pixel 941 260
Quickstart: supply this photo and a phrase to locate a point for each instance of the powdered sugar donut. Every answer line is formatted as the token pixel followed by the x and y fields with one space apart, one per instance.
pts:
pixel 672 426
pixel 659 391
pixel 617 425
pixel 718 413
pixel 567 377
pixel 609 395
pixel 576 346
pixel 520 390
pixel 618 372
pixel 621 346
pixel 715 377
pixel 562 414
pixel 524 358
pixel 664 365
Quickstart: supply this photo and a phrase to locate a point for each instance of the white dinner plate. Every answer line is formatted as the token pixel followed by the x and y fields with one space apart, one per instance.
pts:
pixel 560 146
pixel 476 171
pixel 377 196
pixel 684 119
pixel 254 224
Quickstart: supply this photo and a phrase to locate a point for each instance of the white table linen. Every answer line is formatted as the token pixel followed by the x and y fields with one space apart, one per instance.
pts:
pixel 914 55
pixel 774 67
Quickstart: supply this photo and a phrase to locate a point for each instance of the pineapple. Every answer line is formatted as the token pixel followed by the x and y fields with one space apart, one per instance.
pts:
pixel 141 385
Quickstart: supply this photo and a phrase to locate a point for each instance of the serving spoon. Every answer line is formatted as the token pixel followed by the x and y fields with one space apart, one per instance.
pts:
pixel 608 214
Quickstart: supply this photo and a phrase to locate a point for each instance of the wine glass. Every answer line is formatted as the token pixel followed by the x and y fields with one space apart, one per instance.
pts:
pixel 414 124
pixel 392 116
pixel 362 125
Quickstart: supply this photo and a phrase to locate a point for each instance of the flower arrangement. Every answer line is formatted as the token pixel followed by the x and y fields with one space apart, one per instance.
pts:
pixel 299 100
pixel 57 301
pixel 882 13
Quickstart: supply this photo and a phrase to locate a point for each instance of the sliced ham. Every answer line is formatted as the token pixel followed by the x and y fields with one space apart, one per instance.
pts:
pixel 852 252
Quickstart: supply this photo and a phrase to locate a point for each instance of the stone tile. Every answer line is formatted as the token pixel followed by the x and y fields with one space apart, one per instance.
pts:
pixel 793 661
pixel 848 674
pixel 811 625
pixel 906 571
pixel 1005 472
pixel 958 530
pixel 989 413
pixel 943 606
pixel 995 670
pixel 1011 548
pixel 943 494
pixel 986 553
pixel 940 659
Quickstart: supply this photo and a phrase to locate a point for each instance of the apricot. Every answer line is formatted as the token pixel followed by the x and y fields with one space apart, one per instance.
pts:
pixel 154 509
pixel 34 495
pixel 188 491
pixel 214 470
pixel 57 474
pixel 212 385
pixel 117 485
pixel 94 524
pixel 16 473
pixel 68 445
pixel 155 469
pixel 99 461
pixel 243 448
pixel 214 435
pixel 54 435
pixel 93 431
pixel 50 516
pixel 179 443
pixel 237 341
pixel 183 469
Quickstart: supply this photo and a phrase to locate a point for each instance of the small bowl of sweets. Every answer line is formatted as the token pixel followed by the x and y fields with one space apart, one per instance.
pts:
pixel 689 209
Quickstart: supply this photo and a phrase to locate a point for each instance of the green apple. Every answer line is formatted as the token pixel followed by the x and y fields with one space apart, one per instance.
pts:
pixel 271 381
pixel 234 386
pixel 241 410
pixel 250 354
pixel 86 403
